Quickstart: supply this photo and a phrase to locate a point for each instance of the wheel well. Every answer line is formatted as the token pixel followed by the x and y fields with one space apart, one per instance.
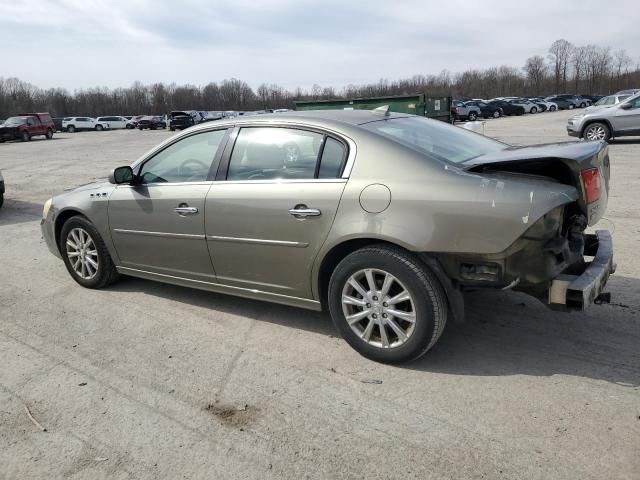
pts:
pixel 590 122
pixel 335 256
pixel 61 220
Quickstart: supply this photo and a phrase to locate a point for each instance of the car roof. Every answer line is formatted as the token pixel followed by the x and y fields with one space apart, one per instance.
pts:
pixel 320 118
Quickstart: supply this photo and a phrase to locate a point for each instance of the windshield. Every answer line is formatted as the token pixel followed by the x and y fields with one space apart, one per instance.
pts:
pixel 434 138
pixel 15 121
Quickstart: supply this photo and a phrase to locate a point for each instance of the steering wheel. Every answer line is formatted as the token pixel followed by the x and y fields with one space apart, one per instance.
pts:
pixel 193 168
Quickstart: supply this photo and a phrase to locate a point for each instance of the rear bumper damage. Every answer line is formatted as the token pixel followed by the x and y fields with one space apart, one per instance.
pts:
pixel 577 292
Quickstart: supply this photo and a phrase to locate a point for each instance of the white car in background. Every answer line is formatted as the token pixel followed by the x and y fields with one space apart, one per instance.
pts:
pixel 115 122
pixel 528 105
pixel 74 124
pixel 551 106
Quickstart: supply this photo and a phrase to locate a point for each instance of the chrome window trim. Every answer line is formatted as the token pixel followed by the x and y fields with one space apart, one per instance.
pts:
pixel 258 241
pixel 245 123
pixel 159 234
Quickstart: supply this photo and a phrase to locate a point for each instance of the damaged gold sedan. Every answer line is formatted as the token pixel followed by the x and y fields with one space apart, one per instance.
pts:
pixel 381 219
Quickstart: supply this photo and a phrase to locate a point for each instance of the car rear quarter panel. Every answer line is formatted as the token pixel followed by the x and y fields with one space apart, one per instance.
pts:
pixel 437 207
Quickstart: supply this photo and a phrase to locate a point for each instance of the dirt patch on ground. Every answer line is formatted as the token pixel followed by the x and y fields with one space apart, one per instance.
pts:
pixel 233 415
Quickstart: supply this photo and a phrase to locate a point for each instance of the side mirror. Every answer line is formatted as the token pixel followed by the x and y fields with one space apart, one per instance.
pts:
pixel 626 106
pixel 121 175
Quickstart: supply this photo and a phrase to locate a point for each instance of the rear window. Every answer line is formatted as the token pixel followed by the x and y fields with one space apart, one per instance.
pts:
pixel 435 139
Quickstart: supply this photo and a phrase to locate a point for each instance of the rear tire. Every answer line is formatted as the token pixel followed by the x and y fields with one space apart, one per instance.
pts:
pixel 597 131
pixel 496 114
pixel 533 110
pixel 99 128
pixel 26 137
pixel 379 328
pixel 552 108
pixel 49 134
pixel 583 105
pixel 71 129
pixel 473 116
pixel 93 250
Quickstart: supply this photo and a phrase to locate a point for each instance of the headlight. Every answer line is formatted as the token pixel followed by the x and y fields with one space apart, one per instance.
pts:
pixel 47 206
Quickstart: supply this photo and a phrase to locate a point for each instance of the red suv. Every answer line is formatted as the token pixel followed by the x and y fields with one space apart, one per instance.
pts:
pixel 27 125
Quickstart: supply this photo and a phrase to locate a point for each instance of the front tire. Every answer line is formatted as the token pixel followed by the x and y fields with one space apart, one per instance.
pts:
pixel 26 137
pixel 99 128
pixel 71 129
pixel 386 304
pixel 552 108
pixel 473 116
pixel 533 110
pixel 85 255
pixel 496 114
pixel 597 131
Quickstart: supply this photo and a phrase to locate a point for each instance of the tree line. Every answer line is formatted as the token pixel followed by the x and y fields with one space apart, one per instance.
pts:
pixel 564 68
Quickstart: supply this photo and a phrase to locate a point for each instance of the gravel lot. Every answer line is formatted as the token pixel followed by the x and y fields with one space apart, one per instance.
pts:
pixel 145 380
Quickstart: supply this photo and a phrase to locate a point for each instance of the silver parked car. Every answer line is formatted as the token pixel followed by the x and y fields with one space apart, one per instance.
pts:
pixel 607 121
pixel 382 219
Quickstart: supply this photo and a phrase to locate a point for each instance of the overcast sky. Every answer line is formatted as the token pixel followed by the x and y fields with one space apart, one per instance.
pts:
pixel 85 43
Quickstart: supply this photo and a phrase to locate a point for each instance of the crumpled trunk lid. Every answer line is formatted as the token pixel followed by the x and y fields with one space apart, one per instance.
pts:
pixel 562 162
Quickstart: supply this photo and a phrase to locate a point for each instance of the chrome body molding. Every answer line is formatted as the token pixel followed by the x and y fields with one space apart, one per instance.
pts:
pixel 221 288
pixel 158 234
pixel 258 241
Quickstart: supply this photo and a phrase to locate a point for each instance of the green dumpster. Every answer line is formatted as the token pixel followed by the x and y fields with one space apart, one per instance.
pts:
pixel 438 108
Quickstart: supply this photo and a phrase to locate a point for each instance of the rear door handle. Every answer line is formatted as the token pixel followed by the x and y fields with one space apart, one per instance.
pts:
pixel 302 211
pixel 185 210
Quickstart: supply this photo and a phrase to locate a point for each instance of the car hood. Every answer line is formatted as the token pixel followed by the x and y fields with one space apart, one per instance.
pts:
pixel 103 186
pixel 598 108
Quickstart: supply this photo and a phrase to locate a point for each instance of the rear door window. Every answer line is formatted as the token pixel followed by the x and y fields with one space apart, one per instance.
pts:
pixel 333 158
pixel 266 153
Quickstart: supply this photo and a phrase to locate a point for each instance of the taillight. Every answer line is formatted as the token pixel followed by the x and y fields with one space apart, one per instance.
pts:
pixel 454 110
pixel 591 182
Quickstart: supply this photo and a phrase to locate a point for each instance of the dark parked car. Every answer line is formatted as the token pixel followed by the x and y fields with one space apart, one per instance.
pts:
pixel 487 110
pixel 57 122
pixel 507 108
pixel 179 120
pixel 563 103
pixel 152 123
pixel 542 107
pixel 578 101
pixel 27 125
pixel 592 98
pixel 386 247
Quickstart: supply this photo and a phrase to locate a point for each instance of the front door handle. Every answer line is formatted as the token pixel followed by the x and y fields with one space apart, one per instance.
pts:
pixel 182 211
pixel 302 211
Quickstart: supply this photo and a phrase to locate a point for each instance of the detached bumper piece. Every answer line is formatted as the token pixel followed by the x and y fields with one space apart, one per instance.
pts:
pixel 577 292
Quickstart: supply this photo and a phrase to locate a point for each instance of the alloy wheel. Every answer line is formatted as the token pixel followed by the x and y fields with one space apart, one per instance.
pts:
pixel 595 133
pixel 378 308
pixel 82 253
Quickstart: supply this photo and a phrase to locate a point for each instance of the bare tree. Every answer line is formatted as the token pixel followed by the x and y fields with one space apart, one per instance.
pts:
pixel 559 54
pixel 536 71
